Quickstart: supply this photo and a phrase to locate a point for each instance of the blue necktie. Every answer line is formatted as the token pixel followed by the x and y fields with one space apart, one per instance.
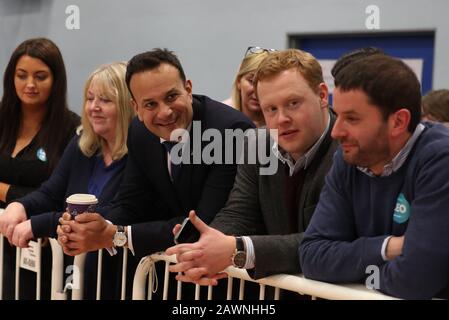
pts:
pixel 174 168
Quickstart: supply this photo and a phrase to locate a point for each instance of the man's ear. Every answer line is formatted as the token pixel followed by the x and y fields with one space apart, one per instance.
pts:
pixel 399 121
pixel 323 93
pixel 136 109
pixel 134 104
pixel 188 86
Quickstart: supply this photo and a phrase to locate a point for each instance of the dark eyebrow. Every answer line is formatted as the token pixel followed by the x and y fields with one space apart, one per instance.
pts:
pixel 38 71
pixel 171 91
pixel 147 100
pixel 348 113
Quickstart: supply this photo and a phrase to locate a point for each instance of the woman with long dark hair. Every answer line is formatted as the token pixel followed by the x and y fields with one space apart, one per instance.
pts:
pixel 35 122
pixel 35 127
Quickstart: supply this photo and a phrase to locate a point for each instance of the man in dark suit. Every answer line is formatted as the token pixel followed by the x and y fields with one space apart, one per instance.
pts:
pixel 270 212
pixel 156 193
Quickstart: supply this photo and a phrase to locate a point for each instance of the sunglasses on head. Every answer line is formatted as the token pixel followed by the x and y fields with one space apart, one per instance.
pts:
pixel 257 50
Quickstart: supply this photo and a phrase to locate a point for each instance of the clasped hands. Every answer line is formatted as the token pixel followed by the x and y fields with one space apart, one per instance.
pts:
pixel 202 262
pixel 87 232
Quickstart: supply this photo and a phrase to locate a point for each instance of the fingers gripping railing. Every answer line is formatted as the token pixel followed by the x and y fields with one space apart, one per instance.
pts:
pixel 145 277
pixel 28 258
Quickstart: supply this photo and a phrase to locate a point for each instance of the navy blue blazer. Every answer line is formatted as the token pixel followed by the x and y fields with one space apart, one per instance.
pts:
pixel 148 200
pixel 45 205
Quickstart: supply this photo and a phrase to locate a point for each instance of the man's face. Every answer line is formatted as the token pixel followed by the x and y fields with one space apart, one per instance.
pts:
pixel 361 131
pixel 294 109
pixel 162 100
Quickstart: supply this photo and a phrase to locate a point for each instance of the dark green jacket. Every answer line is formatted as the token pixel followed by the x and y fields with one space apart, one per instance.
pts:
pixel 256 208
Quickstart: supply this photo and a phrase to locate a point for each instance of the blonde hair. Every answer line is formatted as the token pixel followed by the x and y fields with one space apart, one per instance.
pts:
pixel 111 79
pixel 279 61
pixel 249 64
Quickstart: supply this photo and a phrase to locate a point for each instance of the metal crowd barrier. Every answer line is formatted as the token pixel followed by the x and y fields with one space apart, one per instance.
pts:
pixel 30 258
pixel 59 288
pixel 145 281
pixel 145 277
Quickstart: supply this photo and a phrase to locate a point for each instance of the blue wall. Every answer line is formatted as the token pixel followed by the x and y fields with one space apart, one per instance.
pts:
pixel 401 46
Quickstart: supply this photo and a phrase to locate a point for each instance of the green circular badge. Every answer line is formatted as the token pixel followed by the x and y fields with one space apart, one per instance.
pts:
pixel 401 210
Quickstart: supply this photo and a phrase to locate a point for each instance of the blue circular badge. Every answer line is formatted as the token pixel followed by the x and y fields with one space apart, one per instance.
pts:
pixel 41 155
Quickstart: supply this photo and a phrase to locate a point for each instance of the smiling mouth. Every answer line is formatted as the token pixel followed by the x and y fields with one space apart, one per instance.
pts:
pixel 167 124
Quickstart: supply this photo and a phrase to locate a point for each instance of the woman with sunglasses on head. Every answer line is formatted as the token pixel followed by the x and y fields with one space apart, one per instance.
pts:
pixel 243 96
pixel 35 127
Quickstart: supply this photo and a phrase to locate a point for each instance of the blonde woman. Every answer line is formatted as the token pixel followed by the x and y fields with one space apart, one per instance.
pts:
pixel 92 163
pixel 243 96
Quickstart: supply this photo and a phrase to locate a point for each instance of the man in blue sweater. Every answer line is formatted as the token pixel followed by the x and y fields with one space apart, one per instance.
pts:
pixel 383 213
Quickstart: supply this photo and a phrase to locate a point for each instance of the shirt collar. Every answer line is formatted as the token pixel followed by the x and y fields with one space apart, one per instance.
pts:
pixel 305 160
pixel 183 138
pixel 397 162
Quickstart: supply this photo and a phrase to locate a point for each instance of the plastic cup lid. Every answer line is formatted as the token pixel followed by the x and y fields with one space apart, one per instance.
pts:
pixel 82 198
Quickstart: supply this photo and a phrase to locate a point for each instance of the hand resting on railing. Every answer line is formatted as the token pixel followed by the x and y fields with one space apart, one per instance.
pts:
pixel 11 217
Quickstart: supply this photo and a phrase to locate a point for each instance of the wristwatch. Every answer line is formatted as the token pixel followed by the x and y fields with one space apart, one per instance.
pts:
pixel 239 256
pixel 120 237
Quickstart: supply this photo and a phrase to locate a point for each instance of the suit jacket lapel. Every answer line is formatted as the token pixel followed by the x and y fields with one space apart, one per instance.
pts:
pixel 277 185
pixel 183 184
pixel 166 187
pixel 310 172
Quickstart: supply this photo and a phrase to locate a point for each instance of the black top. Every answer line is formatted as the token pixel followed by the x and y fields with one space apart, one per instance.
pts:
pixel 256 208
pixel 30 167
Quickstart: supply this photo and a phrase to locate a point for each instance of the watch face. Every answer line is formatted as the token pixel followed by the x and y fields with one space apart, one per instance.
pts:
pixel 239 259
pixel 119 239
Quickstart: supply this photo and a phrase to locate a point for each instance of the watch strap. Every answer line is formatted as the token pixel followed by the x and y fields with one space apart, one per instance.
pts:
pixel 239 245
pixel 239 257
pixel 120 238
